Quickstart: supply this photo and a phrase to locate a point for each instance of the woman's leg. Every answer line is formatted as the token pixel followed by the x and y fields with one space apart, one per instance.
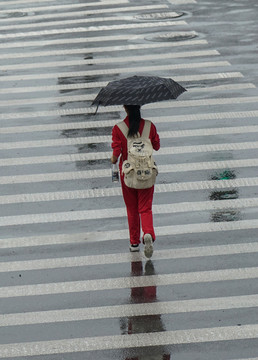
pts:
pixel 131 202
pixel 145 197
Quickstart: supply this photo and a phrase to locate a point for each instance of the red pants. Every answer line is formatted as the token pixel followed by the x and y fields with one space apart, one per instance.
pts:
pixel 139 211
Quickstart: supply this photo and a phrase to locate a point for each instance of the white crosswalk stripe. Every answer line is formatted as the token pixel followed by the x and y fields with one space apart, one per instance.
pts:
pixel 101 49
pixel 118 235
pixel 69 287
pixel 111 123
pixel 171 307
pixel 85 86
pixel 105 173
pixel 89 29
pixel 77 21
pixel 128 282
pixel 182 103
pixel 83 20
pixel 160 188
pixel 85 13
pixel 102 84
pixel 71 6
pixel 107 139
pixel 131 341
pixel 121 70
pixel 29 160
pixel 107 213
pixel 78 261
pixel 186 54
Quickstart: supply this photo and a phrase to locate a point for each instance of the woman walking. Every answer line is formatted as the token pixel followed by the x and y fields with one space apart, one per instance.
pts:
pixel 138 201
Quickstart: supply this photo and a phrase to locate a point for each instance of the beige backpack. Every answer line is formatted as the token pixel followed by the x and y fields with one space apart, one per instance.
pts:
pixel 139 169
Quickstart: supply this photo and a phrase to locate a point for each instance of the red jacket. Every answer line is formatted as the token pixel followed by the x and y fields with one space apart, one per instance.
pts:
pixel 119 142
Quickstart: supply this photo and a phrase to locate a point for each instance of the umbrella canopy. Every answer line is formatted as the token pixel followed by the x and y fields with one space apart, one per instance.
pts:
pixel 138 90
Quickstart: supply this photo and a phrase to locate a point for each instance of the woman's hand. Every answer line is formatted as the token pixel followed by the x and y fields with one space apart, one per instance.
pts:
pixel 113 159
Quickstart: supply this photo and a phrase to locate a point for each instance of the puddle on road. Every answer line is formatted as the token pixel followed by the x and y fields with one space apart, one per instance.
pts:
pixel 224 195
pixel 226 216
pixel 159 16
pixel 17 14
pixel 224 175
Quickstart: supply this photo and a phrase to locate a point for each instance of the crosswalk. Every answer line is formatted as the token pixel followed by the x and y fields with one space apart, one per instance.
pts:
pixel 69 287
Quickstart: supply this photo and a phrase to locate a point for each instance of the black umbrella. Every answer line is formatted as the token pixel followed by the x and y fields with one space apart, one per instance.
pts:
pixel 138 90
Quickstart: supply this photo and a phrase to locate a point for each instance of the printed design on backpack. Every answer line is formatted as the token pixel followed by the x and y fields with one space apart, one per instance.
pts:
pixel 140 169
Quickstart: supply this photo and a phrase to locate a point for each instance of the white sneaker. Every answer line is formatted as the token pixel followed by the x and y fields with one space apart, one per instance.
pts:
pixel 148 245
pixel 134 247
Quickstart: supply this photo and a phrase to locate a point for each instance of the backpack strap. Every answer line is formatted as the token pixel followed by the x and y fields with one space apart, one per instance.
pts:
pixel 123 127
pixel 146 129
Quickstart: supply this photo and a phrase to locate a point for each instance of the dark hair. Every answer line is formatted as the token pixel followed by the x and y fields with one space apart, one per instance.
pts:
pixel 134 115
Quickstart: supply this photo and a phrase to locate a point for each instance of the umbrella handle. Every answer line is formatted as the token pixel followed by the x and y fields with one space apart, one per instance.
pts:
pixel 96 109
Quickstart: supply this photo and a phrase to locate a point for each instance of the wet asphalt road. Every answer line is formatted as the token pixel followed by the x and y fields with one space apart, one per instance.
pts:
pixel 69 287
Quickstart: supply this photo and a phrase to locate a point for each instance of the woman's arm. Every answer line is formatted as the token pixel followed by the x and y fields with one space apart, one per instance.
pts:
pixel 154 137
pixel 116 144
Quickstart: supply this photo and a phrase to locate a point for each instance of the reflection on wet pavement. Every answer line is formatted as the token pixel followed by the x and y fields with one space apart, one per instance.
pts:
pixel 89 164
pixel 230 194
pixel 74 133
pixel 148 323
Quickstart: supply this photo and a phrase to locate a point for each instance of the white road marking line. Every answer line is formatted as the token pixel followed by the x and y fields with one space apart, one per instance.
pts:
pixel 118 235
pixel 76 21
pixel 101 49
pixel 18 2
pixel 76 40
pixel 92 29
pixel 111 123
pixel 78 261
pixel 7 91
pixel 82 13
pixel 128 282
pixel 176 337
pixel 91 174
pixel 107 138
pixel 223 87
pixel 71 6
pixel 181 2
pixel 84 215
pixel 161 105
pixel 114 71
pixel 107 60
pixel 100 84
pixel 116 191
pixel 127 310
pixel 29 160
